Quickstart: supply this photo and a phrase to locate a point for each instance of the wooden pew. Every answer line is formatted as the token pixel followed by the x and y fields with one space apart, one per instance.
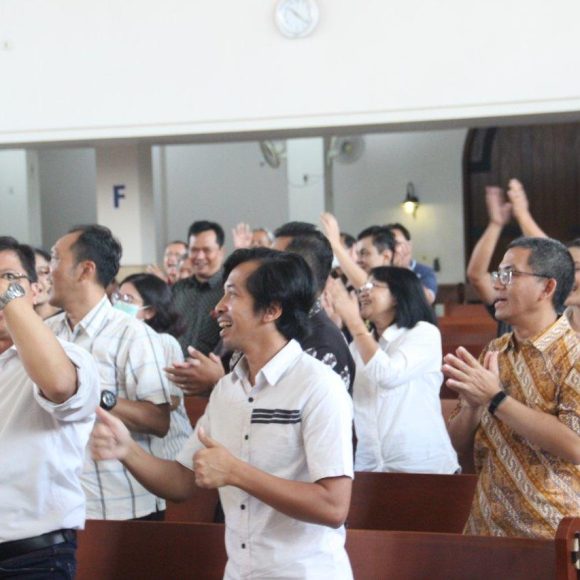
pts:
pixel 411 502
pixel 200 508
pixel 380 501
pixel 111 550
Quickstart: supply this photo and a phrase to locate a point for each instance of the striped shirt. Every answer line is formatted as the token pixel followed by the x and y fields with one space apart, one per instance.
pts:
pixel 130 360
pixel 195 300
pixel 180 425
pixel 523 490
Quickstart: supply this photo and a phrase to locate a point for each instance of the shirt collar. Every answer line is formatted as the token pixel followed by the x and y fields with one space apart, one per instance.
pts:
pixel 275 368
pixel 213 282
pixel 392 332
pixel 542 340
pixel 94 318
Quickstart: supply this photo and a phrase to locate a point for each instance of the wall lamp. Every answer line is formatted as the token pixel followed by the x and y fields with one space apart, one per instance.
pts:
pixel 411 201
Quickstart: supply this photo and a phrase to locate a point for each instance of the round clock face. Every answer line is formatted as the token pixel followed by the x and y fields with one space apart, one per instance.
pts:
pixel 296 18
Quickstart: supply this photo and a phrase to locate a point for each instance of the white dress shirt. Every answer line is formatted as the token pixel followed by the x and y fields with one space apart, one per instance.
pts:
pixel 397 411
pixel 42 448
pixel 295 423
pixel 130 360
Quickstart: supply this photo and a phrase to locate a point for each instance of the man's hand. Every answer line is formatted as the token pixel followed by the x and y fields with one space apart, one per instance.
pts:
pixel 330 228
pixel 198 374
pixel 477 384
pixel 242 235
pixel 499 212
pixel 110 438
pixel 519 199
pixel 156 271
pixel 212 465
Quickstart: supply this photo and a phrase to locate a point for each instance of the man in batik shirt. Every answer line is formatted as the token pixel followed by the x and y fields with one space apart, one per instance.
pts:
pixel 519 407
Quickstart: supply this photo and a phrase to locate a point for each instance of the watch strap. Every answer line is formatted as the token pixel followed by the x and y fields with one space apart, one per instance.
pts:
pixel 496 401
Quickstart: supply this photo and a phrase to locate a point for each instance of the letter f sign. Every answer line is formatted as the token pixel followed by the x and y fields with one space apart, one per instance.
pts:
pixel 118 194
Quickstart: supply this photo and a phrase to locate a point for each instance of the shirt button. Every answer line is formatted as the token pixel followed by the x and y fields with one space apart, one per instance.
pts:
pixel 243 546
pixel 246 437
pixel 251 400
pixel 243 507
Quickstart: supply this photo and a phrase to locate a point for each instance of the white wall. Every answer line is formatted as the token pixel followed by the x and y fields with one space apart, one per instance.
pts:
pixel 227 183
pixel 371 190
pixel 94 69
pixel 67 189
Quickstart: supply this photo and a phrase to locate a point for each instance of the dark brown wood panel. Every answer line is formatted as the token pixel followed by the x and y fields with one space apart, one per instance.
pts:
pixel 545 158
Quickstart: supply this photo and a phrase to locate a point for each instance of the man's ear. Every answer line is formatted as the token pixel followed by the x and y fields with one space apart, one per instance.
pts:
pixel 549 289
pixel 35 291
pixel 388 256
pixel 88 270
pixel 272 312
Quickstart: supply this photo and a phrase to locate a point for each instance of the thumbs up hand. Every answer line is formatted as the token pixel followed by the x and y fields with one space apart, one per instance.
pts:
pixel 110 438
pixel 213 465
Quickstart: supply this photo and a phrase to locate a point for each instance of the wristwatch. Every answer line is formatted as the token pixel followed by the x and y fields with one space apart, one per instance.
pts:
pixel 108 400
pixel 14 291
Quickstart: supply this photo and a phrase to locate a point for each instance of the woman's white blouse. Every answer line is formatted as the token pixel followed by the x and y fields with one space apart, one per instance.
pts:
pixel 397 411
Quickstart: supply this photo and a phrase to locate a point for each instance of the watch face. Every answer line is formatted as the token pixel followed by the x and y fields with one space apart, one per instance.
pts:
pixel 108 400
pixel 296 18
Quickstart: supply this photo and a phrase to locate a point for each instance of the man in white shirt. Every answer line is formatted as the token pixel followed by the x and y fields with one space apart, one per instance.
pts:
pixel 48 394
pixel 276 435
pixel 130 360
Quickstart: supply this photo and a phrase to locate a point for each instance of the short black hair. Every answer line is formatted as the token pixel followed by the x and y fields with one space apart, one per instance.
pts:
pixel 382 237
pixel 181 242
pixel 25 255
pixel 156 293
pixel 42 253
pixel 293 229
pixel 205 226
pixel 281 278
pixel 397 226
pixel 347 240
pixel 551 259
pixel 575 243
pixel 315 248
pixel 407 290
pixel 97 244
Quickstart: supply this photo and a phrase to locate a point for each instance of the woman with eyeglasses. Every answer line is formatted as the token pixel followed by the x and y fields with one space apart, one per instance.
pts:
pixel 397 411
pixel 44 284
pixel 148 298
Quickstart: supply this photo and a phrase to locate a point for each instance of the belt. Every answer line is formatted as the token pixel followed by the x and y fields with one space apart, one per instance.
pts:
pixel 19 547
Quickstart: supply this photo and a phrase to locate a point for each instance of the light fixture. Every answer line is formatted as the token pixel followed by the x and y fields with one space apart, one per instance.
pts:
pixel 411 201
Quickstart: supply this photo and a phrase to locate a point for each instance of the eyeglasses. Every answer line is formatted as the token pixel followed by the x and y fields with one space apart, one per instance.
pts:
pixel 369 286
pixel 11 277
pixel 118 297
pixel 505 277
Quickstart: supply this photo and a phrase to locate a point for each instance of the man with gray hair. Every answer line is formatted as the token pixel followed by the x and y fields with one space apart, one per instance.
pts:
pixel 519 407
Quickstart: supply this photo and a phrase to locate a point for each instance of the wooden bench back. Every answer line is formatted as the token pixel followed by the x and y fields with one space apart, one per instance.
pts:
pixel 411 502
pixel 115 550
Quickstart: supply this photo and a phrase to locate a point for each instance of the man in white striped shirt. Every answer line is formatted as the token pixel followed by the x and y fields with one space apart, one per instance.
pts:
pixel 130 359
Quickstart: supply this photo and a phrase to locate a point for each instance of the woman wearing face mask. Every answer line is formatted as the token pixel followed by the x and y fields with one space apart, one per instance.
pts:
pixel 397 410
pixel 44 284
pixel 148 298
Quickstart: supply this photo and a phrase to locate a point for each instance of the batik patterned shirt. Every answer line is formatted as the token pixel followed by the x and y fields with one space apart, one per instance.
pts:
pixel 524 490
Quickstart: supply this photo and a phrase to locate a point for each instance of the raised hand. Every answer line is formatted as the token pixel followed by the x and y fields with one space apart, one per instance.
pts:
pixel 330 228
pixel 242 235
pixel 519 199
pixel 499 212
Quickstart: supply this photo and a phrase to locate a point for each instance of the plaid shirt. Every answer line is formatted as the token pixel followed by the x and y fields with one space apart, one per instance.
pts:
pixel 130 360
